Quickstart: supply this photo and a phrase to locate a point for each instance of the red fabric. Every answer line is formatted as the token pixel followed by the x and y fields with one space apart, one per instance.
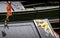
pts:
pixel 9 9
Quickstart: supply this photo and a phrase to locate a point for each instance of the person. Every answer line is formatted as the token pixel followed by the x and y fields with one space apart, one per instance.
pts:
pixel 9 13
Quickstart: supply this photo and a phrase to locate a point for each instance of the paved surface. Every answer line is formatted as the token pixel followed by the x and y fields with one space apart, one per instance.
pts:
pixel 19 30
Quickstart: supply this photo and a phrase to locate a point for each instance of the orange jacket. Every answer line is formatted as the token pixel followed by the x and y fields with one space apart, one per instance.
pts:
pixel 9 9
